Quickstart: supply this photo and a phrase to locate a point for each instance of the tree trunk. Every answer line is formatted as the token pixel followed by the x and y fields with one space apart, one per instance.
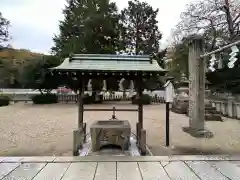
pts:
pixel 137 38
pixel 229 20
pixel 214 37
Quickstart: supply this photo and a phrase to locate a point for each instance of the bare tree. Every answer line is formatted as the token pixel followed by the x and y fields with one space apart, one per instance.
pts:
pixel 217 20
pixel 4 24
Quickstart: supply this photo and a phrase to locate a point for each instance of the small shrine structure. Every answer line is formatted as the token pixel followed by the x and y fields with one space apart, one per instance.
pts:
pixel 84 67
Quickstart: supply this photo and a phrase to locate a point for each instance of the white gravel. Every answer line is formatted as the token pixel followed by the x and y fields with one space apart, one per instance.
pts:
pixel 37 130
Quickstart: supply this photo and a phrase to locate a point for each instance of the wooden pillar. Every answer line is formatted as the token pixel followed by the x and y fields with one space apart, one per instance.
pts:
pixel 143 142
pixel 196 89
pixel 141 133
pixel 79 134
pixel 140 108
pixel 80 106
pixel 139 124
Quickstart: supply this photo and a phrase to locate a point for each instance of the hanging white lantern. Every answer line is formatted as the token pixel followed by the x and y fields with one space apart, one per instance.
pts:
pixel 89 85
pixel 131 87
pixel 121 84
pixel 233 55
pixel 212 63
pixel 104 85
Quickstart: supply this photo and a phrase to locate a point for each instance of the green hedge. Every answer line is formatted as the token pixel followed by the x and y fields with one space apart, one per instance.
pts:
pixel 4 100
pixel 145 99
pixel 87 99
pixel 45 99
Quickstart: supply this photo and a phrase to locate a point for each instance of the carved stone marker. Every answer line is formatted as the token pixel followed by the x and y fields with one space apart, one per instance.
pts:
pixel 110 132
pixel 196 110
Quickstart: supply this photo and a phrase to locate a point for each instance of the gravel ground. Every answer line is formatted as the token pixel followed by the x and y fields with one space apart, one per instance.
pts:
pixel 37 130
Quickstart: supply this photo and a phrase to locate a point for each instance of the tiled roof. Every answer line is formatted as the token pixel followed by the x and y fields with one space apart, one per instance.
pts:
pixel 105 62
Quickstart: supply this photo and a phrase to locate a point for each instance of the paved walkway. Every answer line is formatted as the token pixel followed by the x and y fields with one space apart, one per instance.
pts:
pixel 121 168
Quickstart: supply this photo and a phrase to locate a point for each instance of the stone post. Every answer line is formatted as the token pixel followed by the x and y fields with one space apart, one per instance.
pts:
pixel 196 90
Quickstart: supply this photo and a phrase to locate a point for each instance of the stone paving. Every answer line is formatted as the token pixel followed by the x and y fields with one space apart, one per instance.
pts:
pixel 36 130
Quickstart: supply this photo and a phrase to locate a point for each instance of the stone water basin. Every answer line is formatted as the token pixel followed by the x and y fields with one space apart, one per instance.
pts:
pixel 110 132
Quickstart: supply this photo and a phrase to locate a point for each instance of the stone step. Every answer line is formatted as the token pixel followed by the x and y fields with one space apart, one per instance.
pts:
pixel 208 105
pixel 110 152
pixel 178 110
pixel 213 117
pixel 212 112
pixel 210 108
pixel 183 109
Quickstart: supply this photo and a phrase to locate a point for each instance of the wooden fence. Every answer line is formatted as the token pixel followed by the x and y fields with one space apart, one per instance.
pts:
pixel 66 98
pixel 72 97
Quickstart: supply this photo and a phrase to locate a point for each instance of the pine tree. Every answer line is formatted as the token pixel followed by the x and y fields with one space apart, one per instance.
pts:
pixel 88 27
pixel 140 30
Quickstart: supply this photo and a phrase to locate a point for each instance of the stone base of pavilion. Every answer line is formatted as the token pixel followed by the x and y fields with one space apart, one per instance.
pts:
pixel 198 133
pixel 85 144
pixel 133 150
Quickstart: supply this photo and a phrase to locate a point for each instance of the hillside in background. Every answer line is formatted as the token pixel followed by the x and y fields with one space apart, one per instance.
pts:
pixel 18 54
pixel 11 64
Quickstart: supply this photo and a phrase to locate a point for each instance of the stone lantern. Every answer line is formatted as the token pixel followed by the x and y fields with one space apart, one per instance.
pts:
pixel 181 102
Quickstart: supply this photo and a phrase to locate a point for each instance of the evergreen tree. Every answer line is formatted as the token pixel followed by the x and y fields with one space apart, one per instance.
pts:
pixel 88 27
pixel 180 60
pixel 140 30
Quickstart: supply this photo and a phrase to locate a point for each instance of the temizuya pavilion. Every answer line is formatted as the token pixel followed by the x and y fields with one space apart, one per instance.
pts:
pixel 84 67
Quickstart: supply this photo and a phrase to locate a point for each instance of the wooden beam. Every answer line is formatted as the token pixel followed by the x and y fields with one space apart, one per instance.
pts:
pixel 117 74
pixel 131 110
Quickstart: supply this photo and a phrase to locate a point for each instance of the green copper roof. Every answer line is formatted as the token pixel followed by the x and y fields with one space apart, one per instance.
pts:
pixel 105 62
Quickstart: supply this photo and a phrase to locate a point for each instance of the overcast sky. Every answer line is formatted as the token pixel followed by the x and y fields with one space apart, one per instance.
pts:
pixel 34 22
